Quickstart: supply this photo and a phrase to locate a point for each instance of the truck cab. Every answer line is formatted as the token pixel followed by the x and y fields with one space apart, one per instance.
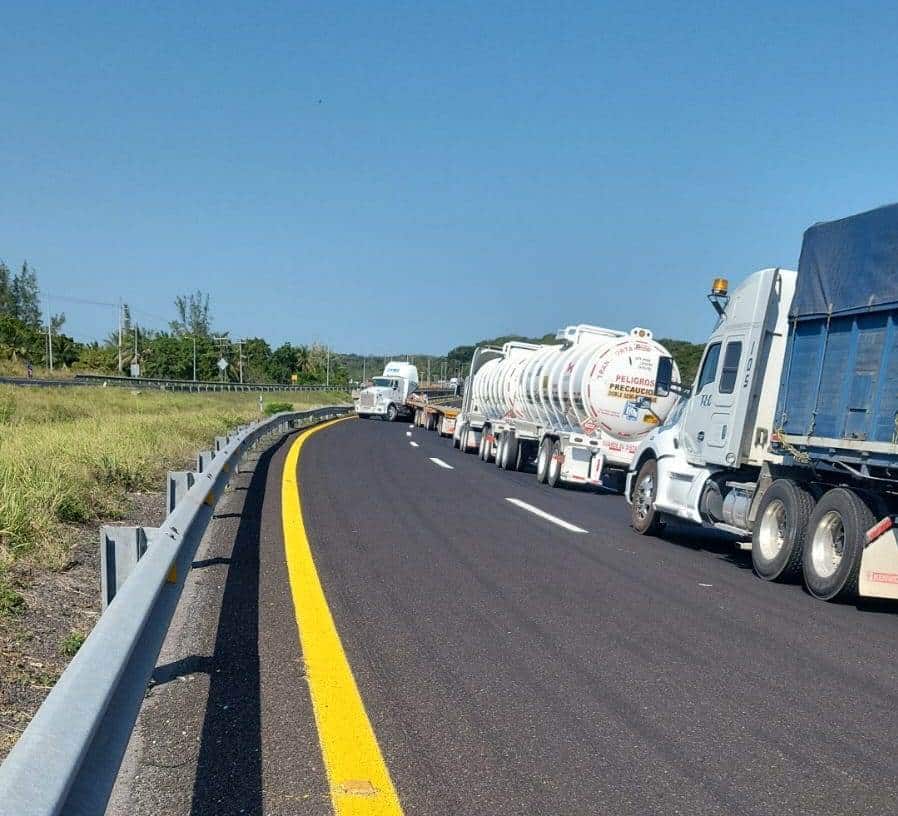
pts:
pixel 388 395
pixel 724 422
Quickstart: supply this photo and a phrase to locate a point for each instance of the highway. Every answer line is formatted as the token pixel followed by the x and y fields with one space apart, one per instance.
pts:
pixel 513 650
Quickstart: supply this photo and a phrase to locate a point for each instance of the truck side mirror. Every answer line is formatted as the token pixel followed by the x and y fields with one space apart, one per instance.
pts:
pixel 663 376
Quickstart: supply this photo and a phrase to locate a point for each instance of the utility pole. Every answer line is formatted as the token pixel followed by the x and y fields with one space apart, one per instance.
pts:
pixel 364 368
pixel 428 370
pixel 327 377
pixel 194 357
pixel 240 358
pixel 120 321
pixel 49 335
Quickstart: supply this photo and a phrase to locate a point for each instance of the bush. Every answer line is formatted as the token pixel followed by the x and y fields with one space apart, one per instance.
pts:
pixel 272 408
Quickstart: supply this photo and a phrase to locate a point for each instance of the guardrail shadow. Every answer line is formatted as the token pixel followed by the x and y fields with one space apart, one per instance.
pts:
pixel 229 763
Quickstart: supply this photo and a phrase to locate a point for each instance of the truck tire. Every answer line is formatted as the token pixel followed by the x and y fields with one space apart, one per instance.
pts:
pixel 645 519
pixel 778 538
pixel 509 451
pixel 553 477
pixel 487 448
pixel 835 545
pixel 522 457
pixel 392 413
pixel 481 451
pixel 542 460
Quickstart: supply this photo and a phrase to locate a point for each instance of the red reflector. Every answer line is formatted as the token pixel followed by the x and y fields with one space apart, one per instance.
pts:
pixel 879 529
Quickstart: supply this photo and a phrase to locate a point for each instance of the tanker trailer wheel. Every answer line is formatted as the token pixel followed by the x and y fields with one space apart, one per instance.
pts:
pixel 542 460
pixel 392 413
pixel 456 437
pixel 500 449
pixel 481 451
pixel 509 451
pixel 644 518
pixel 522 458
pixel 837 535
pixel 778 539
pixel 553 479
pixel 487 447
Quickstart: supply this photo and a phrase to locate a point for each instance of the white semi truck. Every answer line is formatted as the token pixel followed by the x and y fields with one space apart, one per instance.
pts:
pixel 388 396
pixel 788 438
pixel 577 409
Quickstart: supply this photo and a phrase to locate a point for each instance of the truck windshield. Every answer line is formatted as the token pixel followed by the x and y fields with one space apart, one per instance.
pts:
pixel 383 382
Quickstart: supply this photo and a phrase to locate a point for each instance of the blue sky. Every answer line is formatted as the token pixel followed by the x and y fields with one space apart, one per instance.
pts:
pixel 470 169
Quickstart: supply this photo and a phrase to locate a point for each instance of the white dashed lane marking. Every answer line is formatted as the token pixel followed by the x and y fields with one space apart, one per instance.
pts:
pixel 547 516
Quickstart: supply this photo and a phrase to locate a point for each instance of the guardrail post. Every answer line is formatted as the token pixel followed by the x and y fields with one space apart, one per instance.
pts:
pixel 221 442
pixel 203 460
pixel 120 550
pixel 176 487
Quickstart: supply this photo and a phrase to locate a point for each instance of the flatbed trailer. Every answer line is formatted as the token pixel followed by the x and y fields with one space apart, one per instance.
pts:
pixel 439 416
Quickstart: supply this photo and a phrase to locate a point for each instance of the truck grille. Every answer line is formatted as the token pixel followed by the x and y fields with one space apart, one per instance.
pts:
pixel 366 400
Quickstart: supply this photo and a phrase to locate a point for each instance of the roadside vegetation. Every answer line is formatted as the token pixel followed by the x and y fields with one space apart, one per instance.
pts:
pixel 71 456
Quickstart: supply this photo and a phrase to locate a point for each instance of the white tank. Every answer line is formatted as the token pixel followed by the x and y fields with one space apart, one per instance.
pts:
pixel 590 383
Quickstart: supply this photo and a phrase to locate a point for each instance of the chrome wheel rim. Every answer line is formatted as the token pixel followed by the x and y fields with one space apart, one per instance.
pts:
pixel 644 500
pixel 828 544
pixel 772 530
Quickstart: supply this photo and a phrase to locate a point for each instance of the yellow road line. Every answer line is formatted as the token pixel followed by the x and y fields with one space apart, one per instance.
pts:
pixel 359 780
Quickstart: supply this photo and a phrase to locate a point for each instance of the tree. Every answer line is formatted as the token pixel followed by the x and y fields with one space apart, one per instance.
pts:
pixel 194 317
pixel 256 354
pixel 26 297
pixel 6 302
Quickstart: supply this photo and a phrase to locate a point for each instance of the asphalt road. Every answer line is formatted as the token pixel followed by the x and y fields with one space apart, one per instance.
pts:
pixel 512 666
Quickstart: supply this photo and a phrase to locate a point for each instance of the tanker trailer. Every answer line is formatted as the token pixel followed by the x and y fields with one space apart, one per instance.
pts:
pixel 577 411
pixel 490 388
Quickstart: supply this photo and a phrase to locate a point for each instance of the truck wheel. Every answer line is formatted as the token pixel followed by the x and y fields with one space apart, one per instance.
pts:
pixel 521 457
pixel 644 518
pixel 500 447
pixel 509 451
pixel 778 538
pixel 836 539
pixel 542 460
pixel 481 450
pixel 392 413
pixel 553 478
pixel 487 448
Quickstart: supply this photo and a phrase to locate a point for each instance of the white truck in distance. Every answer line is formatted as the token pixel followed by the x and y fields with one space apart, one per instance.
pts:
pixel 573 410
pixel 388 396
pixel 788 437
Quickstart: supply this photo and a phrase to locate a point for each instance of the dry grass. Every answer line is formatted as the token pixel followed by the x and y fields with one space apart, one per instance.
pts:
pixel 71 455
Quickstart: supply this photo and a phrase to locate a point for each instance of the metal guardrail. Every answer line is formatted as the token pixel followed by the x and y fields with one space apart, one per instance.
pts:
pixel 68 758
pixel 181 385
pixel 191 385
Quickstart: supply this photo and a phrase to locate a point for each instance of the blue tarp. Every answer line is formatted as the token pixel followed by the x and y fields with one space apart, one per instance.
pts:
pixel 849 266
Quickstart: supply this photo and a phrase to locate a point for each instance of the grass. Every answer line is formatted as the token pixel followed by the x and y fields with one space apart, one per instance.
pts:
pixel 71 643
pixel 71 456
